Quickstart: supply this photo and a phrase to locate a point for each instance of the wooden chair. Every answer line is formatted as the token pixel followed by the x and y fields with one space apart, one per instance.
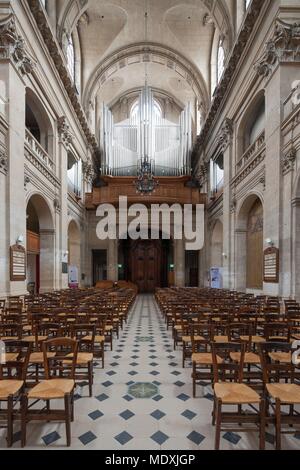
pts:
pixel 85 336
pixel 280 388
pixel 12 380
pixel 59 384
pixel 229 390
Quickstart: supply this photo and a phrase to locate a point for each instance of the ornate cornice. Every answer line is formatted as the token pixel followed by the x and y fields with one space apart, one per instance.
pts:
pixel 64 131
pixel 3 161
pixel 57 57
pixel 288 161
pixel 236 54
pixel 283 47
pixel 12 46
pixel 225 134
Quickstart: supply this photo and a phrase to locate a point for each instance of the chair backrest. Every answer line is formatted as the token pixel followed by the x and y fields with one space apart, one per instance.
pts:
pixel 17 353
pixel 279 330
pixel 85 335
pixel 228 368
pixel 276 361
pixel 10 330
pixel 63 362
pixel 201 336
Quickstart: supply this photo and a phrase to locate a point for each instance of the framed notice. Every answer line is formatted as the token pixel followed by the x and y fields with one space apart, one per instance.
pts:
pixel 271 265
pixel 17 263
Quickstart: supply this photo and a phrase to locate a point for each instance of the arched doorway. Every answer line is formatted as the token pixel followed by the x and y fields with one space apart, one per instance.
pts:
pixel 216 259
pixel 147 263
pixel 74 260
pixel 255 246
pixel 249 244
pixel 40 245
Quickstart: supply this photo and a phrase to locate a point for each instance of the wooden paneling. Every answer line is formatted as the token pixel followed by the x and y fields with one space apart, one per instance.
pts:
pixel 170 190
pixel 33 242
pixel 255 247
pixel 145 260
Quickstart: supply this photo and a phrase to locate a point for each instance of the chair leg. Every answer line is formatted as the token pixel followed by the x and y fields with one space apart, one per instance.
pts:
pixel 194 380
pixel 218 424
pixel 262 424
pixel 24 408
pixel 90 375
pixel 278 423
pixel 10 407
pixel 68 418
pixel 214 413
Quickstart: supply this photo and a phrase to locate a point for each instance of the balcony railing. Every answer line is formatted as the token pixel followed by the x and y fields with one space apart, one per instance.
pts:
pixel 251 151
pixel 38 151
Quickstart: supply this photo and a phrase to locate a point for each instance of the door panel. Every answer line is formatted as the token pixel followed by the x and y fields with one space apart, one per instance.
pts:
pixel 146 264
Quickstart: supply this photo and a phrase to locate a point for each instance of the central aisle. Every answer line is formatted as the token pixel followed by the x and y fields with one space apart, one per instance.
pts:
pixel 142 399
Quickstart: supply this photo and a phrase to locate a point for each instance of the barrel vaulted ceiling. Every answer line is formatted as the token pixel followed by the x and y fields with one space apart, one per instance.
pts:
pixel 178 50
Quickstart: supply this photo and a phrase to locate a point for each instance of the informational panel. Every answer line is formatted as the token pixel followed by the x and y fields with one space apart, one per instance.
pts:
pixel 73 276
pixel 271 265
pixel 17 263
pixel 216 279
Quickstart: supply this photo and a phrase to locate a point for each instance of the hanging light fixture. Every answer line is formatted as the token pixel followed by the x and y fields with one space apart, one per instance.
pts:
pixel 146 182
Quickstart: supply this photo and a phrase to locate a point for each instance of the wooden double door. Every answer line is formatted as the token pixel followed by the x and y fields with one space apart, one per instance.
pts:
pixel 146 259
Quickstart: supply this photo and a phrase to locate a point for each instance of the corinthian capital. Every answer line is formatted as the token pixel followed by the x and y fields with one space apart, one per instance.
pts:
pixel 12 46
pixel 225 134
pixel 64 130
pixel 284 46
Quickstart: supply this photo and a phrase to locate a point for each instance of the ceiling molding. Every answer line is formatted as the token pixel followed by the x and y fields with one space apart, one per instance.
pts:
pixel 153 53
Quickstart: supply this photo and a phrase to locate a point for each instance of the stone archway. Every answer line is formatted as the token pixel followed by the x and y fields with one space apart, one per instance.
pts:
pixel 38 208
pixel 249 236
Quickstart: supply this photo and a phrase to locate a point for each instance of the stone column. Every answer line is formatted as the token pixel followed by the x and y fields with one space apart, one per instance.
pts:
pixel 14 65
pixel 47 243
pixel 279 67
pixel 112 260
pixel 225 139
pixel 241 260
pixel 179 253
pixel 65 139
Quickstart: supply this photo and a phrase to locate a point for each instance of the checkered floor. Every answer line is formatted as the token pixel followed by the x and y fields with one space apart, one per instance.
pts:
pixel 142 399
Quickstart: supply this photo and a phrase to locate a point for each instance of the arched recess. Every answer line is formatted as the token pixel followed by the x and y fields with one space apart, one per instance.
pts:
pixel 249 244
pixel 252 124
pixel 123 57
pixel 74 249
pixel 216 250
pixel 40 243
pixel 296 238
pixel 38 122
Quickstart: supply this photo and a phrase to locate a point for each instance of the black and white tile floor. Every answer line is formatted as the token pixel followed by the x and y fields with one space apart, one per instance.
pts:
pixel 142 399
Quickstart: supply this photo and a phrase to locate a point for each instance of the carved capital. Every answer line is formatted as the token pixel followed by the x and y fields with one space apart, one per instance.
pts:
pixel 3 161
pixel 233 206
pixel 225 134
pixel 12 46
pixel 283 47
pixel 56 205
pixel 88 171
pixel 64 130
pixel 288 161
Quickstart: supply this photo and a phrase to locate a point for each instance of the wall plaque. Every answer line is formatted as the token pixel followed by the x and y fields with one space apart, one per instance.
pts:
pixel 17 263
pixel 271 265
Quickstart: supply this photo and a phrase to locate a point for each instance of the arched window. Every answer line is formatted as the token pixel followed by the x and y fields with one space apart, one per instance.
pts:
pixel 247 3
pixel 220 60
pixel 44 3
pixel 71 57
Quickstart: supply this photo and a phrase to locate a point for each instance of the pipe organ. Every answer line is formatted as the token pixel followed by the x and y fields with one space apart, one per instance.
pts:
pixel 146 134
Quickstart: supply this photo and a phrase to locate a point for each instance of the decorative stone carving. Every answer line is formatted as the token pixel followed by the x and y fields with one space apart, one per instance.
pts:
pixel 233 206
pixel 3 161
pixel 88 172
pixel 12 46
pixel 283 47
pixel 288 161
pixel 26 181
pixel 64 130
pixel 262 181
pixel 56 205
pixel 225 134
